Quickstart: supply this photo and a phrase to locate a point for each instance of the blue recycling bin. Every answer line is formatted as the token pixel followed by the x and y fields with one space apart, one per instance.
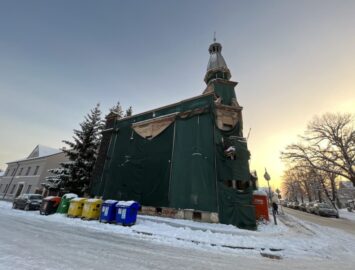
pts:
pixel 126 212
pixel 108 211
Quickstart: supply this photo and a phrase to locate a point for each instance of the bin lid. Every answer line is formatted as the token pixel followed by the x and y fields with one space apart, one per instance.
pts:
pixel 259 192
pixel 110 201
pixel 127 204
pixel 78 199
pixel 70 196
pixel 93 201
pixel 52 198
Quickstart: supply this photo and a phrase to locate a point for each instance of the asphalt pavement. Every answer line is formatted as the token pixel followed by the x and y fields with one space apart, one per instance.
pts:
pixel 337 223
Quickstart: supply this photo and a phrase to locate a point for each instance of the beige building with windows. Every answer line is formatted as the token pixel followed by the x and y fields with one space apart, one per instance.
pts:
pixel 27 175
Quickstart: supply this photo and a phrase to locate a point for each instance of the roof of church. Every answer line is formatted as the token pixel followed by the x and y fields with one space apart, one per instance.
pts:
pixel 216 58
pixel 216 62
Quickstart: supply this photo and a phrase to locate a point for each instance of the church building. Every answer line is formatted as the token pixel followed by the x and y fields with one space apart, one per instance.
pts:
pixel 187 155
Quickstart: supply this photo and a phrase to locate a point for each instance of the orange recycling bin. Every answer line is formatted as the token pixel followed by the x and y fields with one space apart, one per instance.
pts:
pixel 260 202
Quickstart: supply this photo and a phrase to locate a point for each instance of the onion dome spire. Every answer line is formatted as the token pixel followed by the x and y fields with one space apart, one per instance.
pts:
pixel 217 67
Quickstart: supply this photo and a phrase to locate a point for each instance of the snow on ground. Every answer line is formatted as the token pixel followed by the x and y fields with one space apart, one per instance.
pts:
pixel 344 213
pixel 292 238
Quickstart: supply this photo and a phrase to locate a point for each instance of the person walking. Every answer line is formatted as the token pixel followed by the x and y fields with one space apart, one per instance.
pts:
pixel 275 204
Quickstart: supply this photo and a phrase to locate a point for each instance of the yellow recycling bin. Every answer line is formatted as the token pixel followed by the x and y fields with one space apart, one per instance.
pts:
pixel 76 207
pixel 92 209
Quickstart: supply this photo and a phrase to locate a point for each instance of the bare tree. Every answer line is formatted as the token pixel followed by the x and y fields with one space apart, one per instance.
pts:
pixel 304 179
pixel 328 146
pixel 292 185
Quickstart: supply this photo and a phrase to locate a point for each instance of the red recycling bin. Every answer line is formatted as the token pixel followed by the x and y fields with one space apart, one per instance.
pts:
pixel 260 202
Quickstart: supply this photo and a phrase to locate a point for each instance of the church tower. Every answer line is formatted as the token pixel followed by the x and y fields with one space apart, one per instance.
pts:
pixel 217 78
pixel 217 67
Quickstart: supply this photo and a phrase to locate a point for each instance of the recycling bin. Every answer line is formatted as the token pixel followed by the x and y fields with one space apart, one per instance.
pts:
pixel 76 207
pixel 65 202
pixel 108 211
pixel 126 212
pixel 49 205
pixel 260 201
pixel 91 209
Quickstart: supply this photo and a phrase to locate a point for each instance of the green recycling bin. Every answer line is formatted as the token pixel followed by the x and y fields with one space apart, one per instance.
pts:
pixel 65 202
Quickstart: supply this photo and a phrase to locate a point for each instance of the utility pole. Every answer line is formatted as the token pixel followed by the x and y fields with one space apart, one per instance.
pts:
pixel 268 178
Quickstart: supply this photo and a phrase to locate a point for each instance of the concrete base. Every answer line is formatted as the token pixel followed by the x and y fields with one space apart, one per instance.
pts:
pixel 189 214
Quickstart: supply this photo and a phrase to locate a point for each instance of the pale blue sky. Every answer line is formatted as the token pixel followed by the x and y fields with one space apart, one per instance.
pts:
pixel 293 59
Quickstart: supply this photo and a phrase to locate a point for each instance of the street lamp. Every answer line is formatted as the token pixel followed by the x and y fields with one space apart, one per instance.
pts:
pixel 268 178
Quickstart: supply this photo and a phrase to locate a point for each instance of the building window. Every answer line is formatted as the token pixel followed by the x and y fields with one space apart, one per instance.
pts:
pixel 28 188
pixel 228 183
pixel 20 172
pixel 7 172
pixel 0 187
pixel 13 172
pixel 36 170
pixel 13 189
pixel 28 170
pixel 243 185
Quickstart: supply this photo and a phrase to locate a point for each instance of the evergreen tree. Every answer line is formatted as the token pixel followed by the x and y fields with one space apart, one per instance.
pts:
pixel 75 175
pixel 129 111
pixel 117 109
pixel 56 181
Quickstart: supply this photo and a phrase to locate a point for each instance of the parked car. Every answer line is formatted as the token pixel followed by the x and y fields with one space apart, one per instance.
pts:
pixel 350 205
pixel 326 210
pixel 302 207
pixel 296 205
pixel 283 202
pixel 27 202
pixel 309 207
pixel 289 204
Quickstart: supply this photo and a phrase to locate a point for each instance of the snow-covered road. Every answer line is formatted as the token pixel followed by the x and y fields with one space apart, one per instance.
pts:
pixel 30 241
pixel 343 223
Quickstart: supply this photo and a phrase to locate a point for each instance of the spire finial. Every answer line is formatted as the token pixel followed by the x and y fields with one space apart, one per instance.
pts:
pixel 214 36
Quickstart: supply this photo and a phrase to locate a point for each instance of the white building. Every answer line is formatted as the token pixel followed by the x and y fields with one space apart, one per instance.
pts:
pixel 346 191
pixel 26 175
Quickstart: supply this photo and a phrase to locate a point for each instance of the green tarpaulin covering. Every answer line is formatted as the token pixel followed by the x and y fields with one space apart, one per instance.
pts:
pixel 183 166
pixel 193 182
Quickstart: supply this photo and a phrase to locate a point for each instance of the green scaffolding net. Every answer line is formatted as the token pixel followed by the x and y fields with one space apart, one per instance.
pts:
pixel 182 166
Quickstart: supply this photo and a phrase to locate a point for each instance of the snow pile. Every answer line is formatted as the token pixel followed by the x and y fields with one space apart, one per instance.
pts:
pixel 344 213
pixel 290 239
pixel 259 192
pixel 70 196
pixel 5 205
pixel 78 199
pixel 126 203
pixel 111 201
pixel 93 200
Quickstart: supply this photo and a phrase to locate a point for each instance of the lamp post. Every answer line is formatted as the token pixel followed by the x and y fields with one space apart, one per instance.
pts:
pixel 268 178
